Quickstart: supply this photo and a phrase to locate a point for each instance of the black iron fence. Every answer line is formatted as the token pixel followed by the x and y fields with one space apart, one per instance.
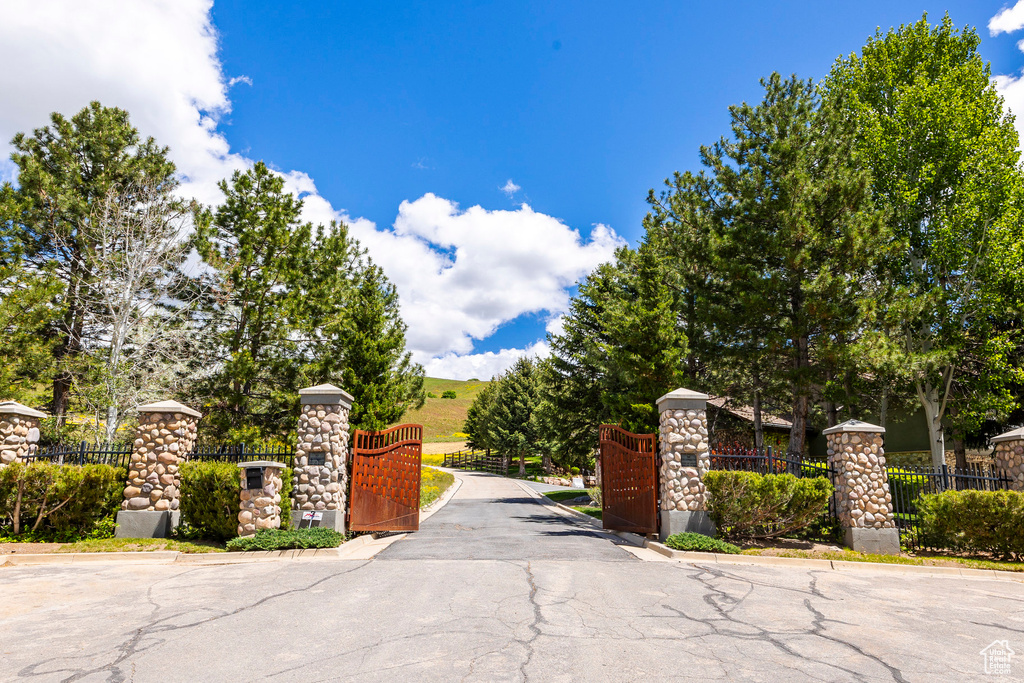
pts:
pixel 908 484
pixel 84 454
pixel 244 453
pixel 767 461
pixel 478 461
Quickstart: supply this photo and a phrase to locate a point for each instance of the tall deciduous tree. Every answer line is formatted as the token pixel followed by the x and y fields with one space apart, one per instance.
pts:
pixel 943 154
pixel 64 172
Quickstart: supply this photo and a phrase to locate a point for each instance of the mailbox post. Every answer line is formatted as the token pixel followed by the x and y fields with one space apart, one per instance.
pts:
pixel 259 506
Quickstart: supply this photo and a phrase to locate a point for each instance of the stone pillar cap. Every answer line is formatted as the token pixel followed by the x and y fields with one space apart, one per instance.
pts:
pixel 15 408
pixel 326 394
pixel 261 463
pixel 1015 435
pixel 169 407
pixel 854 426
pixel 683 399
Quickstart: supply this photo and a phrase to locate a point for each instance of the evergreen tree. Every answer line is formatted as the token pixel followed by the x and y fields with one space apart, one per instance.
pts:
pixel 512 421
pixel 65 170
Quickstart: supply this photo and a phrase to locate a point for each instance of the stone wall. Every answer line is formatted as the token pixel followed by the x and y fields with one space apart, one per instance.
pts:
pixel 19 431
pixel 862 485
pixel 260 508
pixel 683 438
pixel 1009 457
pixel 165 436
pixel 322 432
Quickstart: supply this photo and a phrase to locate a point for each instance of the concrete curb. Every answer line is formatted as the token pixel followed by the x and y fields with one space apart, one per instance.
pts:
pixel 426 512
pixel 830 565
pixel 175 557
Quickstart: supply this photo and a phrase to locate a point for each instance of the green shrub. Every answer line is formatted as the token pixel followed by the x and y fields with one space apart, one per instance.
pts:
pixel 700 543
pixel 595 495
pixel 974 521
pixel 749 505
pixel 59 502
pixel 287 483
pixel 448 394
pixel 431 394
pixel 209 499
pixel 574 471
pixel 285 539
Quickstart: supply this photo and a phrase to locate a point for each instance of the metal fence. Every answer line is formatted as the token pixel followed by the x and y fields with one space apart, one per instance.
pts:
pixel 478 461
pixel 908 484
pixel 84 454
pixel 244 453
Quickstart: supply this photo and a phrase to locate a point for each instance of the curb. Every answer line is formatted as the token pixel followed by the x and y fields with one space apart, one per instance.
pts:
pixel 176 557
pixel 831 565
pixel 426 512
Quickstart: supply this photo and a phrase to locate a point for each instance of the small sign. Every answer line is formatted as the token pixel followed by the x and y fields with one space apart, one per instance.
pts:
pixel 688 459
pixel 308 514
pixel 318 458
pixel 309 517
pixel 577 482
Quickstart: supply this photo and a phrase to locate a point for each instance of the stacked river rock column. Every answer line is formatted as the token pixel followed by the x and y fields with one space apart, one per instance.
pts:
pixel 321 456
pixel 260 506
pixel 1009 457
pixel 685 459
pixel 863 502
pixel 165 437
pixel 19 431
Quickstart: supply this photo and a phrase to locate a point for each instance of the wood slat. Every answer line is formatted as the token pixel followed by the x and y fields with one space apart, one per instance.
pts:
pixel 629 480
pixel 385 493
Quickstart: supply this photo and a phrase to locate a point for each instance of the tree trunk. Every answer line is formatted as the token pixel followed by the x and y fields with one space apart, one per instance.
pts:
pixel 522 465
pixel 111 424
pixel 883 407
pixel 831 414
pixel 929 397
pixel 758 426
pixel 798 432
pixel 959 447
pixel 546 463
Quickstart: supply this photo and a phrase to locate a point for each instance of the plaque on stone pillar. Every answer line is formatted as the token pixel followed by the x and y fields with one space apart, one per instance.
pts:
pixel 318 458
pixel 688 459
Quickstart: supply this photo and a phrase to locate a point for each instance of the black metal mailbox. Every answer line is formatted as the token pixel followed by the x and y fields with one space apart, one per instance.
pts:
pixel 253 478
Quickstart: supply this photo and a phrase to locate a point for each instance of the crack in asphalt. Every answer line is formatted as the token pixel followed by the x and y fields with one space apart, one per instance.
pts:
pixel 155 626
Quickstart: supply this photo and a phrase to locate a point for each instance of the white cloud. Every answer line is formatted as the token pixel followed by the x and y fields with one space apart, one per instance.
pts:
pixel 481 365
pixel 510 188
pixel 1008 19
pixel 460 273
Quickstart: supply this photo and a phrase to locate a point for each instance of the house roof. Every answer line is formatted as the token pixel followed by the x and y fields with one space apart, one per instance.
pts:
pixel 747 413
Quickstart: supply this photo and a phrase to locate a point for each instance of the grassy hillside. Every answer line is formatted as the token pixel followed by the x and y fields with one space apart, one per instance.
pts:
pixel 442 418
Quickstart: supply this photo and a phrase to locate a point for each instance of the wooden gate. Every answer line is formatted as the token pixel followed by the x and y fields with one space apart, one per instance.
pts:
pixel 629 480
pixel 385 471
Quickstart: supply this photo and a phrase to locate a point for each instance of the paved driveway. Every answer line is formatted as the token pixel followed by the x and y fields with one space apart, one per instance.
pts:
pixel 497 587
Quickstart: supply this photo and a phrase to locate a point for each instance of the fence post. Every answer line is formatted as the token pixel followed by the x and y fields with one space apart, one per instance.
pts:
pixel 863 500
pixel 683 444
pixel 321 455
pixel 1009 457
pixel 19 431
pixel 165 436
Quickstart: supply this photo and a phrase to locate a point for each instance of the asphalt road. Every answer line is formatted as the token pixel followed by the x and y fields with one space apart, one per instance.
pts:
pixel 496 587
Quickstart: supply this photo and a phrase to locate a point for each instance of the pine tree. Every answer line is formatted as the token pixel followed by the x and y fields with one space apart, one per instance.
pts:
pixel 512 421
pixel 64 172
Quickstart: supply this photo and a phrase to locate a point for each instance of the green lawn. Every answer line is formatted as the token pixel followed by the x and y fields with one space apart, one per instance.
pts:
pixel 925 561
pixel 561 496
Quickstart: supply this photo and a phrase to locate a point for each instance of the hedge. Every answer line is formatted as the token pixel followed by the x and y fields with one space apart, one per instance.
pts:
pixel 281 539
pixel 974 521
pixel 747 505
pixel 210 495
pixel 700 543
pixel 62 502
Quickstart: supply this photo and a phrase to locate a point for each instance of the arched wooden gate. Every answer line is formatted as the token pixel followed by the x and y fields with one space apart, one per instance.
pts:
pixel 629 480
pixel 385 469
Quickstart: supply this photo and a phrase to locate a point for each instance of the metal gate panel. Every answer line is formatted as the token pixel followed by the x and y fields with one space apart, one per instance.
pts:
pixel 386 479
pixel 629 480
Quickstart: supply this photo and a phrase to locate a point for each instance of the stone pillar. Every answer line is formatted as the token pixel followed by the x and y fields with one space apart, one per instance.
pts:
pixel 863 502
pixel 685 458
pixel 259 506
pixel 1009 457
pixel 19 431
pixel 321 455
pixel 164 438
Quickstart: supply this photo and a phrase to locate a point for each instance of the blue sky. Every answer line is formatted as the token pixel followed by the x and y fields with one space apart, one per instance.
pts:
pixel 401 117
